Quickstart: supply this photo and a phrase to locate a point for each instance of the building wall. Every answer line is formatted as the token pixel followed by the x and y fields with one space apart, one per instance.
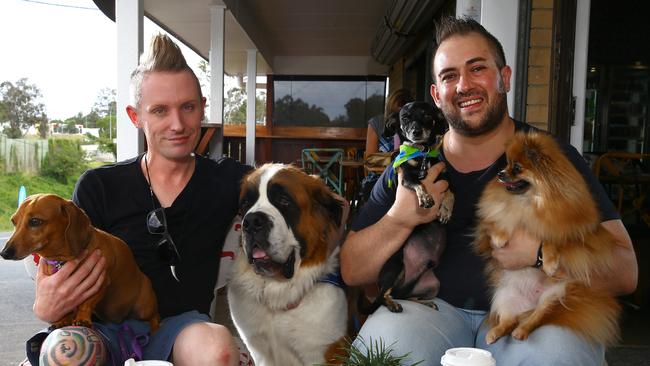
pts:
pixel 539 63
pixel 499 17
pixel 396 76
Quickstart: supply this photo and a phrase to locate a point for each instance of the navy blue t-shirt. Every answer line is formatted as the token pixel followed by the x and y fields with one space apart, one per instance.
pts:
pixel 461 271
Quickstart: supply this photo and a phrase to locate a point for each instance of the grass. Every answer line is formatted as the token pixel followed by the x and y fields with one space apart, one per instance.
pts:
pixel 10 184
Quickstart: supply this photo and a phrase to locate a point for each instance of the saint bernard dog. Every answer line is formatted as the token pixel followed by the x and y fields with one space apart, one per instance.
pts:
pixel 281 295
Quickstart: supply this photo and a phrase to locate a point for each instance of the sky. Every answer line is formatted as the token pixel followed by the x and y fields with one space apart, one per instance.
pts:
pixel 67 48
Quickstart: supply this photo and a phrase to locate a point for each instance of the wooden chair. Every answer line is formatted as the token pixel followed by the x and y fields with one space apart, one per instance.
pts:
pixel 326 163
pixel 377 162
pixel 204 142
pixel 629 174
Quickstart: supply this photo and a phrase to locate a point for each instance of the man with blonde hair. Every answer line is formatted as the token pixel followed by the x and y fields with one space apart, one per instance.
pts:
pixel 173 209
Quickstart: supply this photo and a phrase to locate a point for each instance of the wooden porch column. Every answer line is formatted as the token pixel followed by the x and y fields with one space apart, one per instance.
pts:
pixel 251 73
pixel 129 15
pixel 217 35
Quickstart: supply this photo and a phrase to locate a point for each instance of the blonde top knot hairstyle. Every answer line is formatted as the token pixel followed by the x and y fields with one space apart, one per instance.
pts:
pixel 163 55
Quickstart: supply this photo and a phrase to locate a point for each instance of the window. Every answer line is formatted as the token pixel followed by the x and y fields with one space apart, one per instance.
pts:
pixel 326 101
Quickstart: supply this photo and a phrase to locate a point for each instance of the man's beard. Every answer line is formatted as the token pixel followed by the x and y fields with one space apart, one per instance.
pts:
pixel 490 122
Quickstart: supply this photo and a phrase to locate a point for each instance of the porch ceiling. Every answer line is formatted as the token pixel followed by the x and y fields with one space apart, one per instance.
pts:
pixel 285 32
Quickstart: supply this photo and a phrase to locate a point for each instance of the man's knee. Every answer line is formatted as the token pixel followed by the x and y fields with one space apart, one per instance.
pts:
pixel 420 331
pixel 73 346
pixel 215 342
pixel 548 345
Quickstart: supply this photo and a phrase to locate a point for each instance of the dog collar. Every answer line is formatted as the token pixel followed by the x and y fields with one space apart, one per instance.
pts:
pixel 406 153
pixel 56 265
pixel 333 278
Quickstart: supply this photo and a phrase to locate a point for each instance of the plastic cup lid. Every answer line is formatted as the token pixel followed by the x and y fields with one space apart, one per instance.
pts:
pixel 466 356
pixel 132 362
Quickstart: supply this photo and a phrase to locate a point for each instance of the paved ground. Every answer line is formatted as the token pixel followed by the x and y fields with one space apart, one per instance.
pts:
pixel 17 322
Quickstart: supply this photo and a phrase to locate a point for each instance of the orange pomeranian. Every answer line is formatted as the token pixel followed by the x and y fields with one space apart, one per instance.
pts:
pixel 542 193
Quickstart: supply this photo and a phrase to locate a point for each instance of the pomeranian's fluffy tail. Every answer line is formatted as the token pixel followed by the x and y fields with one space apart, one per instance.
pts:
pixel 589 312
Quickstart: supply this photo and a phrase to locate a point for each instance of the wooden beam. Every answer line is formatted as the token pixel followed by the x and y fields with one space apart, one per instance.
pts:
pixel 299 132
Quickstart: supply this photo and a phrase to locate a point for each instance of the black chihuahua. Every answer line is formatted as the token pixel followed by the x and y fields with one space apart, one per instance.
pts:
pixel 421 127
pixel 409 272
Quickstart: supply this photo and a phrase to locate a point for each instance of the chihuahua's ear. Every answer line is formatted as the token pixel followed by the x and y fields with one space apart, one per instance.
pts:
pixel 78 232
pixel 391 125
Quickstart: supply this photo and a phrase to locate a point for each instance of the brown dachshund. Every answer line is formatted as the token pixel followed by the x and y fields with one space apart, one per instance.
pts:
pixel 59 231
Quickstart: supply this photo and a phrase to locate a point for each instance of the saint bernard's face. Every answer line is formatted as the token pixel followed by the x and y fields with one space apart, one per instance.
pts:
pixel 289 219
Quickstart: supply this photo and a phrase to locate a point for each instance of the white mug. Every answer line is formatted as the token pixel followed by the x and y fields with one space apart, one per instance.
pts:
pixel 466 356
pixel 132 362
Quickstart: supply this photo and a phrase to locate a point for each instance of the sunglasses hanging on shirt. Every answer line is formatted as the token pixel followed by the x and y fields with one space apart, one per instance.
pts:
pixel 157 225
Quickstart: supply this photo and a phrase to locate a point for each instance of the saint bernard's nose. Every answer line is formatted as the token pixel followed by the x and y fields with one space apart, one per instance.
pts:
pixel 255 222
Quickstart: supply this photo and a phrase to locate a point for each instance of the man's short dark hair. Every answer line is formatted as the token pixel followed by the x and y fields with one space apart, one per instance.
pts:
pixel 450 26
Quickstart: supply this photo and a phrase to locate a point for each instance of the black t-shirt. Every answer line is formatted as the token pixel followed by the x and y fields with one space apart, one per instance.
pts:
pixel 117 199
pixel 461 271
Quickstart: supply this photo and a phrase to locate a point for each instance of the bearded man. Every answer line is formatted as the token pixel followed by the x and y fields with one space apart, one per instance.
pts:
pixel 471 80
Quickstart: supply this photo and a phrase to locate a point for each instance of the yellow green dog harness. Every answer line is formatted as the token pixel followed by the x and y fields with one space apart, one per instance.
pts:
pixel 408 152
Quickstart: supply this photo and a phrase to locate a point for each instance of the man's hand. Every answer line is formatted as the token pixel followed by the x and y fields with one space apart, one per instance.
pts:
pixel 61 292
pixel 520 251
pixel 362 258
pixel 406 209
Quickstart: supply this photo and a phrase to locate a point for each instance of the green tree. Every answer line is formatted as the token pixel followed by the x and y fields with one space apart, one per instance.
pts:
pixel 90 120
pixel 3 112
pixel 57 125
pixel 204 73
pixel 70 124
pixel 107 127
pixel 260 107
pixel 64 159
pixel 105 108
pixel 21 109
pixel 288 111
pixel 43 127
pixel 107 145
pixel 105 103
pixel 358 111
pixel 235 104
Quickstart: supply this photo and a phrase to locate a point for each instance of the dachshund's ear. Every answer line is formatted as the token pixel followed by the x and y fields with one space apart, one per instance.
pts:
pixel 78 232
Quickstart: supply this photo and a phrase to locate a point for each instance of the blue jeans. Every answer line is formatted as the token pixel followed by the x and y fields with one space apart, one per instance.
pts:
pixel 122 342
pixel 425 334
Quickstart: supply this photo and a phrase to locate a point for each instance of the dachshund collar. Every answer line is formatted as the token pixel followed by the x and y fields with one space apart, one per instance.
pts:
pixel 408 152
pixel 56 265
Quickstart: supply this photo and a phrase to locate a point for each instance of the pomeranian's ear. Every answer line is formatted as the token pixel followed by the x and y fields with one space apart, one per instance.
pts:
pixel 531 150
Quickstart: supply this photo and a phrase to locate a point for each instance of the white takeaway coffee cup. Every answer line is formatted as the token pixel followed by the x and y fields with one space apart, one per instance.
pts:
pixel 466 356
pixel 132 362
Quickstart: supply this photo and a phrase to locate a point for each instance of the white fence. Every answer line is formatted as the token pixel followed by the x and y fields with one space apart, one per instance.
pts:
pixel 21 155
